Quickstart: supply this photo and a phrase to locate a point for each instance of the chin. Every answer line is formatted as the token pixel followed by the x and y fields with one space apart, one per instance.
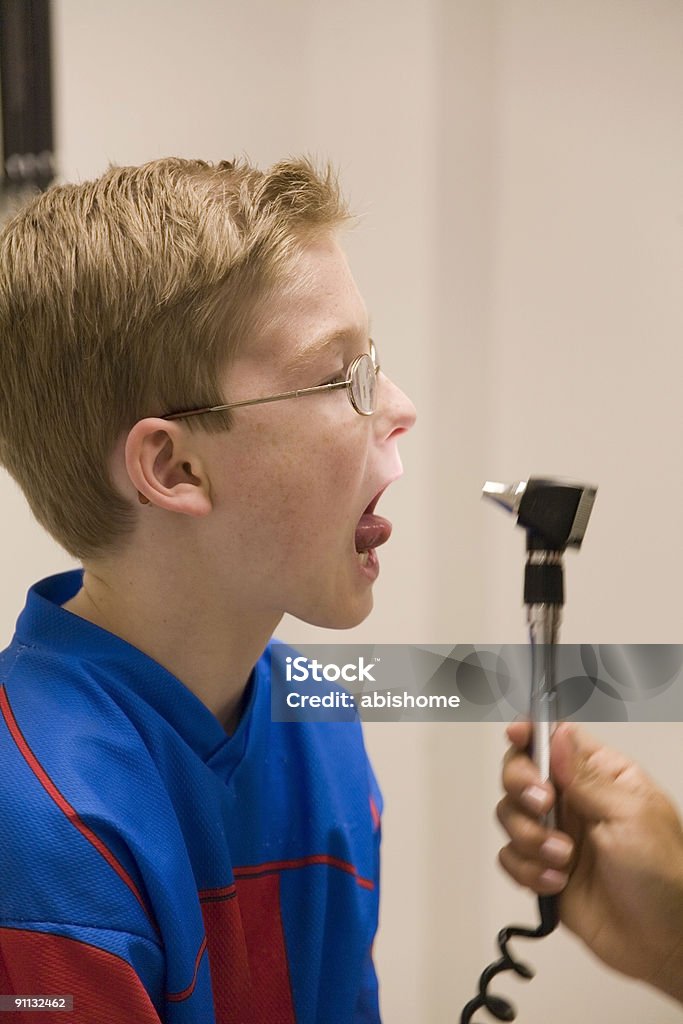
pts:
pixel 339 616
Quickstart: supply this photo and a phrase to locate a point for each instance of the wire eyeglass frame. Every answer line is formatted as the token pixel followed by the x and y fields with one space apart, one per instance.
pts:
pixel 360 384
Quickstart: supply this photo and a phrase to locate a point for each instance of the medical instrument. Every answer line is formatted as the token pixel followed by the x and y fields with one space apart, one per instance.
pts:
pixel 555 515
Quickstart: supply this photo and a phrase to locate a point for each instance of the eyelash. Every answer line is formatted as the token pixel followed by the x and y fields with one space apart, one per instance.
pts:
pixel 338 379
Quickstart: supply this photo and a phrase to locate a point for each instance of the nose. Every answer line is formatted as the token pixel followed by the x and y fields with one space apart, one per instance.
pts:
pixel 395 412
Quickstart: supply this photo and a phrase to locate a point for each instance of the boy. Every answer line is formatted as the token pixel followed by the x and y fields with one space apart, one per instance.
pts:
pixel 169 853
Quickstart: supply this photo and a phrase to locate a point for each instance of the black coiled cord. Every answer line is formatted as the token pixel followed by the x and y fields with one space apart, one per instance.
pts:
pixel 496 1005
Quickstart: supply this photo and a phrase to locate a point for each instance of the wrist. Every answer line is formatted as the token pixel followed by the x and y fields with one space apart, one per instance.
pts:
pixel 670 979
pixel 668 974
pixel 674 972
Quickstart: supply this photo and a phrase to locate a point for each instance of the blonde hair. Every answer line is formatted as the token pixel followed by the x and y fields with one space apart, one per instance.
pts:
pixel 125 297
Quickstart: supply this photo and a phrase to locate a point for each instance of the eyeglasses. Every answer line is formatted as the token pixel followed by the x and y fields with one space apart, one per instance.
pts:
pixel 360 384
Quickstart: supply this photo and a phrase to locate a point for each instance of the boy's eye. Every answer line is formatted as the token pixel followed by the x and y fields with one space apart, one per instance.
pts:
pixel 339 378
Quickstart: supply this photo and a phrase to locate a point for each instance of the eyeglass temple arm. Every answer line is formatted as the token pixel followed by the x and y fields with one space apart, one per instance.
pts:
pixel 258 401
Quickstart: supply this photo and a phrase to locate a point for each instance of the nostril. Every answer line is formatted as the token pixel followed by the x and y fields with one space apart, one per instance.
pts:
pixel 398 432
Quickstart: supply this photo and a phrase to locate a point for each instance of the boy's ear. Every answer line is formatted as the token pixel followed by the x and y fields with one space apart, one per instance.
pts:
pixel 166 469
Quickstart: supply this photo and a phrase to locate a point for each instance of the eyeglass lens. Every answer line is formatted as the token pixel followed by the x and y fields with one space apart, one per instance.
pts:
pixel 364 385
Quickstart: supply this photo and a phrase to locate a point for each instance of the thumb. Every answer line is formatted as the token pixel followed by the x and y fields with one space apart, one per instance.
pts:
pixel 586 772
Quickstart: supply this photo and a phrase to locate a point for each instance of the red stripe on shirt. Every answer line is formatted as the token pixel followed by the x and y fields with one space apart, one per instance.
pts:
pixel 376 820
pixel 226 892
pixel 179 997
pixel 65 807
pixel 247 955
pixel 303 862
pixel 105 988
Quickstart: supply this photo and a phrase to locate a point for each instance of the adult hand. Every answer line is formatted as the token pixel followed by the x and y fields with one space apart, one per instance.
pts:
pixel 618 863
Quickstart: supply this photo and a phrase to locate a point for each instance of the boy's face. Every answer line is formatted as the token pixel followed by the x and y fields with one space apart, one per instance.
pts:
pixel 290 480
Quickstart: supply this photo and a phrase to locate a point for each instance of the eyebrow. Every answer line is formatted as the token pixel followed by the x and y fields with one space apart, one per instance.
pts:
pixel 307 353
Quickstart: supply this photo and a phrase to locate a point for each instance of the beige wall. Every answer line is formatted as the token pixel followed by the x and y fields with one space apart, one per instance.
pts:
pixel 519 165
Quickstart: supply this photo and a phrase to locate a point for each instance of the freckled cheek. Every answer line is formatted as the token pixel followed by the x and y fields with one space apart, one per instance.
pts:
pixel 292 488
pixel 318 515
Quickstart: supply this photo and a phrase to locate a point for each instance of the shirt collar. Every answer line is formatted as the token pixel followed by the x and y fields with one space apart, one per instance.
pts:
pixel 45 624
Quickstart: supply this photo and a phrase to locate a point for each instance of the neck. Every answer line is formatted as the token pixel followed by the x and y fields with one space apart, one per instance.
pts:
pixel 203 638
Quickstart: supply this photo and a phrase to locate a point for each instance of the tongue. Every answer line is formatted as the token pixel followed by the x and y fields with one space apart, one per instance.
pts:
pixel 371 531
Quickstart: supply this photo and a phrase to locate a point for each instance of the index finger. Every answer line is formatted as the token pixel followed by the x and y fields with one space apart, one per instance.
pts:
pixel 522 783
pixel 519 734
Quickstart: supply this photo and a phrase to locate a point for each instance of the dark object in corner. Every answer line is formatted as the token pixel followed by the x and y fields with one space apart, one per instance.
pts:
pixel 26 92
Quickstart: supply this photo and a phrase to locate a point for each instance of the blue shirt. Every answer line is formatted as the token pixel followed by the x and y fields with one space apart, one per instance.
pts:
pixel 157 869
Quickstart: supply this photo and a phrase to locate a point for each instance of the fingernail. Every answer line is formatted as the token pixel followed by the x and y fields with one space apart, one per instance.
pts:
pixel 556 851
pixel 553 879
pixel 535 798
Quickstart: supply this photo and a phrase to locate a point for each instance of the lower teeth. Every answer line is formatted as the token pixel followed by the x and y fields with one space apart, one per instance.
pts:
pixel 364 557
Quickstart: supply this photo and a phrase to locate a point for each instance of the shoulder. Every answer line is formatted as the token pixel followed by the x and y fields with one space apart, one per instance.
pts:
pixel 76 799
pixel 57 712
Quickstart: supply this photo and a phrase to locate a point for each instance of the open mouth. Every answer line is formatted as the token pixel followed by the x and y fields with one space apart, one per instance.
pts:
pixel 372 530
